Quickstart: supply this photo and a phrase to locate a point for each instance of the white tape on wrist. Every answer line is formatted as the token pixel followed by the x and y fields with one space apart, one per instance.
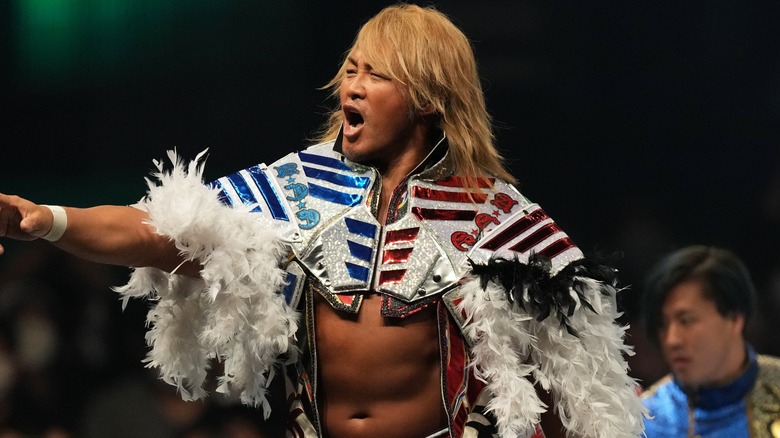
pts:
pixel 58 225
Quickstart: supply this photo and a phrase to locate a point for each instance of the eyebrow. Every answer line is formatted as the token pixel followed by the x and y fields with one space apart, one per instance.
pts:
pixel 682 312
pixel 352 61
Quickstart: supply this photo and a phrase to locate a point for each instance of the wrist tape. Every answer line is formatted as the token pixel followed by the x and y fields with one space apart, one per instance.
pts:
pixel 58 225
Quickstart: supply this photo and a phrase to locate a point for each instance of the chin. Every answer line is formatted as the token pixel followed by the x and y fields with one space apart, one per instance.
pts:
pixel 688 381
pixel 353 153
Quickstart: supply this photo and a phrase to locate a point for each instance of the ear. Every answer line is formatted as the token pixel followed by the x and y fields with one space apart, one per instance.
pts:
pixel 739 322
pixel 427 109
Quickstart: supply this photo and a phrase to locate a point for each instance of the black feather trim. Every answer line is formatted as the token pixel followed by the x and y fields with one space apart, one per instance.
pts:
pixel 531 287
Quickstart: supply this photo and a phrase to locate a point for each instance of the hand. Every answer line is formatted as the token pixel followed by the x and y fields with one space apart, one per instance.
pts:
pixel 22 219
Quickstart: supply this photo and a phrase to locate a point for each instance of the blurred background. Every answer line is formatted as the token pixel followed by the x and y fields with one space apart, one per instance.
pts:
pixel 639 126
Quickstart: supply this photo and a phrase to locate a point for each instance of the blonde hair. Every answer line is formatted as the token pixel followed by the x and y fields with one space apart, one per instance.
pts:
pixel 434 65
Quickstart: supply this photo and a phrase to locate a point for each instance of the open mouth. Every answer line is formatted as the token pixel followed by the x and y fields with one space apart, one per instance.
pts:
pixel 353 118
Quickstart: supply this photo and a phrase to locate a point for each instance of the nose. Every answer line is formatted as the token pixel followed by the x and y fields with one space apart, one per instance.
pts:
pixel 355 86
pixel 671 335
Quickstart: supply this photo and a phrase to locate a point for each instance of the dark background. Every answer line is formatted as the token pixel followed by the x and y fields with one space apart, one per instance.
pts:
pixel 639 126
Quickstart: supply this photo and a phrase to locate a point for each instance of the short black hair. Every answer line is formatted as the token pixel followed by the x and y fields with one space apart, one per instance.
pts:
pixel 724 279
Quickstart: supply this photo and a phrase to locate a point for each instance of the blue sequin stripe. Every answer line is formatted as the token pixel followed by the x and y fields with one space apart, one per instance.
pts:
pixel 289 287
pixel 333 163
pixel 348 199
pixel 340 179
pixel 242 188
pixel 327 194
pixel 360 251
pixel 244 192
pixel 269 193
pixel 358 272
pixel 224 196
pixel 361 228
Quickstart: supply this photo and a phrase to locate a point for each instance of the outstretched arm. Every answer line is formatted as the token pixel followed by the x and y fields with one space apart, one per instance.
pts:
pixel 117 235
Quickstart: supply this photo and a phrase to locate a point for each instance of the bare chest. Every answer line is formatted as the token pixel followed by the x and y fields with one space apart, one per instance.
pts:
pixel 378 374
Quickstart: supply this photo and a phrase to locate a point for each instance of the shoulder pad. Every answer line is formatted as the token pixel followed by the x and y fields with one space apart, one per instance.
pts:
pixel 319 201
pixel 496 221
pixel 300 191
pixel 527 231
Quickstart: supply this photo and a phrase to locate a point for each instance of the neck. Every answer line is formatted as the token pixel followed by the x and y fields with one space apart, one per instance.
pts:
pixel 735 366
pixel 398 168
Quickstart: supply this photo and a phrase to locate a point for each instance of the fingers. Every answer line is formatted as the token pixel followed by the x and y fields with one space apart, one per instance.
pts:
pixel 34 222
pixel 22 219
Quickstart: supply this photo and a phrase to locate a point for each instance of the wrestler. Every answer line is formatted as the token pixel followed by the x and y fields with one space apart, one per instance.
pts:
pixel 391 274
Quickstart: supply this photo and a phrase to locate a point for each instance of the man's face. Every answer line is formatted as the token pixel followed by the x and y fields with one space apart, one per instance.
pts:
pixel 377 119
pixel 702 347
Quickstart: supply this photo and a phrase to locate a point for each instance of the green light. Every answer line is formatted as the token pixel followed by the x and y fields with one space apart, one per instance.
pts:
pixel 58 41
pixel 47 36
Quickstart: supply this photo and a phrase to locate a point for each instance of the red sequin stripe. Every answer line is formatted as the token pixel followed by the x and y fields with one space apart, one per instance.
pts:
pixel 536 237
pixel 401 236
pixel 456 181
pixel 396 255
pixel 557 247
pixel 345 298
pixel 456 303
pixel 394 308
pixel 462 387
pixel 455 372
pixel 445 196
pixel 516 229
pixel 393 277
pixel 443 214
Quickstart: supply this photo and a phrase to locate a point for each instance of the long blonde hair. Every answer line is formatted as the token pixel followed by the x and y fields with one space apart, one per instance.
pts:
pixel 434 65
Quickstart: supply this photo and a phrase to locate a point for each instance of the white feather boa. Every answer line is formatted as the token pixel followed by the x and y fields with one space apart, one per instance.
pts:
pixel 588 376
pixel 234 312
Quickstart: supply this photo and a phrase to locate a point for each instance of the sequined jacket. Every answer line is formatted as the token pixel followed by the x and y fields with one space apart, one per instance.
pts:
pixel 747 407
pixel 517 301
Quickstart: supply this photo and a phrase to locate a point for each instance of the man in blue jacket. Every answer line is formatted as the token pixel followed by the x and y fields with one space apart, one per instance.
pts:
pixel 696 304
